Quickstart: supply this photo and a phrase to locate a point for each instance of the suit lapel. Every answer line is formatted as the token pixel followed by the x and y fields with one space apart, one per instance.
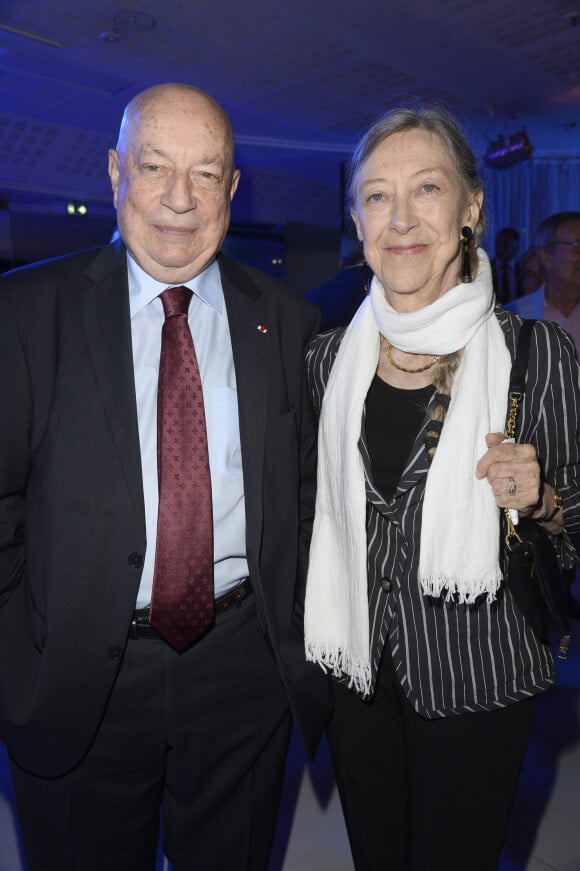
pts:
pixel 108 329
pixel 250 335
pixel 417 464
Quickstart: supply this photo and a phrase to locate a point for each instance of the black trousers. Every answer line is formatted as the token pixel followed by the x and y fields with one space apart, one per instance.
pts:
pixel 424 795
pixel 202 735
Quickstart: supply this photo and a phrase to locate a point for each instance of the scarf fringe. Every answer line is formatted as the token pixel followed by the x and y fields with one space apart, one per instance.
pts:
pixel 463 592
pixel 342 665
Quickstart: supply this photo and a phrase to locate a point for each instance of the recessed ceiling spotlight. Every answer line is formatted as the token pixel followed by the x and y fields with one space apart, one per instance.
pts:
pixel 134 21
pixel 572 18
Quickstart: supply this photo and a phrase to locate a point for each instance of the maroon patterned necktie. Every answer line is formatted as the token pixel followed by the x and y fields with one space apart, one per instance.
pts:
pixel 182 601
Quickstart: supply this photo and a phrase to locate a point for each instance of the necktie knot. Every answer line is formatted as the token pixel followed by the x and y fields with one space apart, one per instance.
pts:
pixel 176 301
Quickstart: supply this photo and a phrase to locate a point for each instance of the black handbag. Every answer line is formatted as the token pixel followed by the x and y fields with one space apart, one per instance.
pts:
pixel 535 577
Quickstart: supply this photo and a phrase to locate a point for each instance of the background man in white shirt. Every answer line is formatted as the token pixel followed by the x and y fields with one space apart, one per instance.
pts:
pixel 558 299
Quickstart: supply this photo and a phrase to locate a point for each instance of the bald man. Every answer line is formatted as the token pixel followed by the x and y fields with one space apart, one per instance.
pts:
pixel 116 699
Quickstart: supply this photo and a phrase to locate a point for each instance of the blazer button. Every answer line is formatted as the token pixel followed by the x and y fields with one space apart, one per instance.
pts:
pixel 386 585
pixel 115 653
pixel 136 560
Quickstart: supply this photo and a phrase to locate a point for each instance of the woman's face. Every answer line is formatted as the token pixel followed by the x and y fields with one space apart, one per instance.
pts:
pixel 410 206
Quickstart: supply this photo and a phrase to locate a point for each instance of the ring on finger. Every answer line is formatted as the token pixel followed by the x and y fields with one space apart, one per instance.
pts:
pixel 512 486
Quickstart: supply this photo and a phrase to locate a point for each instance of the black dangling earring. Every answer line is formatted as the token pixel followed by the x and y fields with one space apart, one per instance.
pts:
pixel 466 233
pixel 368 277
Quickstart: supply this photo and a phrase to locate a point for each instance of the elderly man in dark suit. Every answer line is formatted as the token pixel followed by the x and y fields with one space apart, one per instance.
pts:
pixel 156 491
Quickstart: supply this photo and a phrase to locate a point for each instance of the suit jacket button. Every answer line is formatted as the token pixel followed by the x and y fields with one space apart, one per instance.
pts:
pixel 386 584
pixel 115 653
pixel 136 560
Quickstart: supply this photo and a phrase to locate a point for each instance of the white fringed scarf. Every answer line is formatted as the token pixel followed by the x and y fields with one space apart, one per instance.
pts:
pixel 459 554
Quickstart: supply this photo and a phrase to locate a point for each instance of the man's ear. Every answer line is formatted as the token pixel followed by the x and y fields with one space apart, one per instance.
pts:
pixel 234 185
pixel 114 172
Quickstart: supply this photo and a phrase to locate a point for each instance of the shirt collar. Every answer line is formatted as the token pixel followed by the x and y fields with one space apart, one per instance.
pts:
pixel 143 289
pixel 552 307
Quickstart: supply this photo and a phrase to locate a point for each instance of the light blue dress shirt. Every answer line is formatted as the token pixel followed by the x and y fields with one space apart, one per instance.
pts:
pixel 208 322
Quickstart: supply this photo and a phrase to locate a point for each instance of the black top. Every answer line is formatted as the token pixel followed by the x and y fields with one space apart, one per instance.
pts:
pixel 394 416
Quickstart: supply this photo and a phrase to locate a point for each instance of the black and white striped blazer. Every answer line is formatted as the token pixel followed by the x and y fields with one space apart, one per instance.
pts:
pixel 454 658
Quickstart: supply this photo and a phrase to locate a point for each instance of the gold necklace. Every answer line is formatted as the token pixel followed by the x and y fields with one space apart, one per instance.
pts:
pixel 388 347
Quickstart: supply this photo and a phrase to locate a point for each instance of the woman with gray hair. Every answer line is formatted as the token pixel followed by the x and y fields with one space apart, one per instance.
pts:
pixel 436 668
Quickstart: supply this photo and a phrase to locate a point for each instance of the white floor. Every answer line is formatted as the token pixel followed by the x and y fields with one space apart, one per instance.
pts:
pixel 311 835
pixel 544 833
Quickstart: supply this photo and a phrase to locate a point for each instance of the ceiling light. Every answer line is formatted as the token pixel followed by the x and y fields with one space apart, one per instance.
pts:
pixel 507 150
pixel 110 35
pixel 77 209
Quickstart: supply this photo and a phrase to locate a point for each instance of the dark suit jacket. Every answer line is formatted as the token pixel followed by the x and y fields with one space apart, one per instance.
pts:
pixel 339 298
pixel 496 277
pixel 71 500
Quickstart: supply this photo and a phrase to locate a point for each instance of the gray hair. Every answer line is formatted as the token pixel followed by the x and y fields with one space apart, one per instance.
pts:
pixel 548 229
pixel 433 120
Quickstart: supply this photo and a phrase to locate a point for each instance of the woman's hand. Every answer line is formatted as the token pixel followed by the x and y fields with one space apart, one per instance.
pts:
pixel 514 474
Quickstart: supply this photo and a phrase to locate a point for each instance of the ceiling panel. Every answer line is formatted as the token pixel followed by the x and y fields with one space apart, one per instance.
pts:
pixel 301 81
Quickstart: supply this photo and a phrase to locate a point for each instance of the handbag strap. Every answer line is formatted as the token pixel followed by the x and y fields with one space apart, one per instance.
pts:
pixel 516 390
pixel 519 371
